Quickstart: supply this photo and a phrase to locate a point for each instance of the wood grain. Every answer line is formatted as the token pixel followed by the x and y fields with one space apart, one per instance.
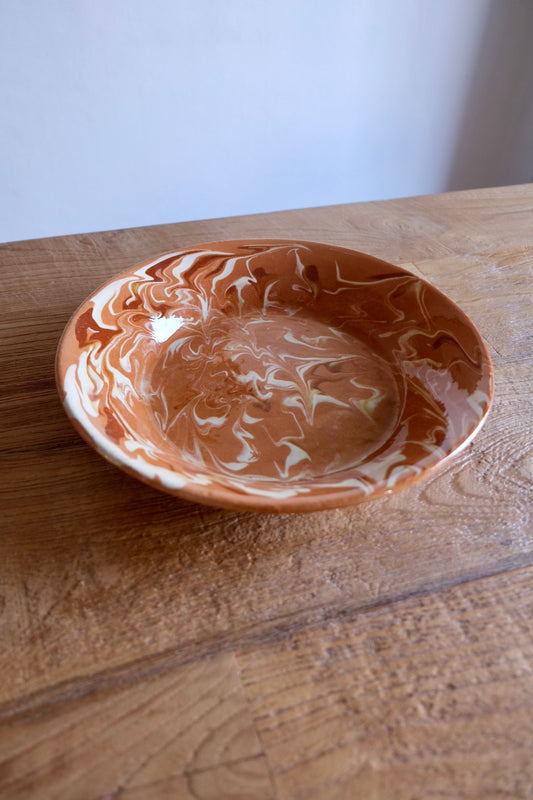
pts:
pixel 430 697
pixel 109 589
pixel 185 731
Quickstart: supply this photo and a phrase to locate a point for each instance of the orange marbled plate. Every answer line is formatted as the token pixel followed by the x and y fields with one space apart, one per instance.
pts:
pixel 273 375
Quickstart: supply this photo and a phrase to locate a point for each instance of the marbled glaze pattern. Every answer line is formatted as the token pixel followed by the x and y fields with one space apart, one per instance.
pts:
pixel 273 375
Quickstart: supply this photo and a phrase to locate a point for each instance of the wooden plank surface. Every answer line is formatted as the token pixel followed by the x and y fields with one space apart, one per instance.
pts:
pixel 113 596
pixel 430 697
pixel 191 727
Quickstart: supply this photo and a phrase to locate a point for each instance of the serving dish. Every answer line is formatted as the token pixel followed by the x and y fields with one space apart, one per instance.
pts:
pixel 273 375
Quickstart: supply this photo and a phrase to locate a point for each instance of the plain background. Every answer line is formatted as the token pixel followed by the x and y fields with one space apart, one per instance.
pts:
pixel 117 113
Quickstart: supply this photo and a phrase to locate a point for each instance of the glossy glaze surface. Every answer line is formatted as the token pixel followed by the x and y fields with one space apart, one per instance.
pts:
pixel 273 375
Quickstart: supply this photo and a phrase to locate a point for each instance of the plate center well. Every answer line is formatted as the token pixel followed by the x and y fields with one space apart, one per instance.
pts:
pixel 273 397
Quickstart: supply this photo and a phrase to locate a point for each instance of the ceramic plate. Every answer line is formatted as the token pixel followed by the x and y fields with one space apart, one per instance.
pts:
pixel 273 375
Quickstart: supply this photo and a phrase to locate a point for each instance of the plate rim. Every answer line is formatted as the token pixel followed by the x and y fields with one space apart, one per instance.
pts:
pixel 229 497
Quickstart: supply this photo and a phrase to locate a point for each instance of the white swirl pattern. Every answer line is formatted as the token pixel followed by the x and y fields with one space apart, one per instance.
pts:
pixel 277 370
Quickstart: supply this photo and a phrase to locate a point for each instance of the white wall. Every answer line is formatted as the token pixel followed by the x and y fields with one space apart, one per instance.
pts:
pixel 118 113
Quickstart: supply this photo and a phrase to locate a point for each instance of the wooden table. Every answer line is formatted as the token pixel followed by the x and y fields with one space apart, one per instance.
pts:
pixel 152 648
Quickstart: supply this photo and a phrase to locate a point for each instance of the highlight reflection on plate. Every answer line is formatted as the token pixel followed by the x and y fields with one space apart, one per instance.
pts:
pixel 273 375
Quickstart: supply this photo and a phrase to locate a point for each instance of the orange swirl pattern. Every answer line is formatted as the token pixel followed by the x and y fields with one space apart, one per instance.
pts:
pixel 273 375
